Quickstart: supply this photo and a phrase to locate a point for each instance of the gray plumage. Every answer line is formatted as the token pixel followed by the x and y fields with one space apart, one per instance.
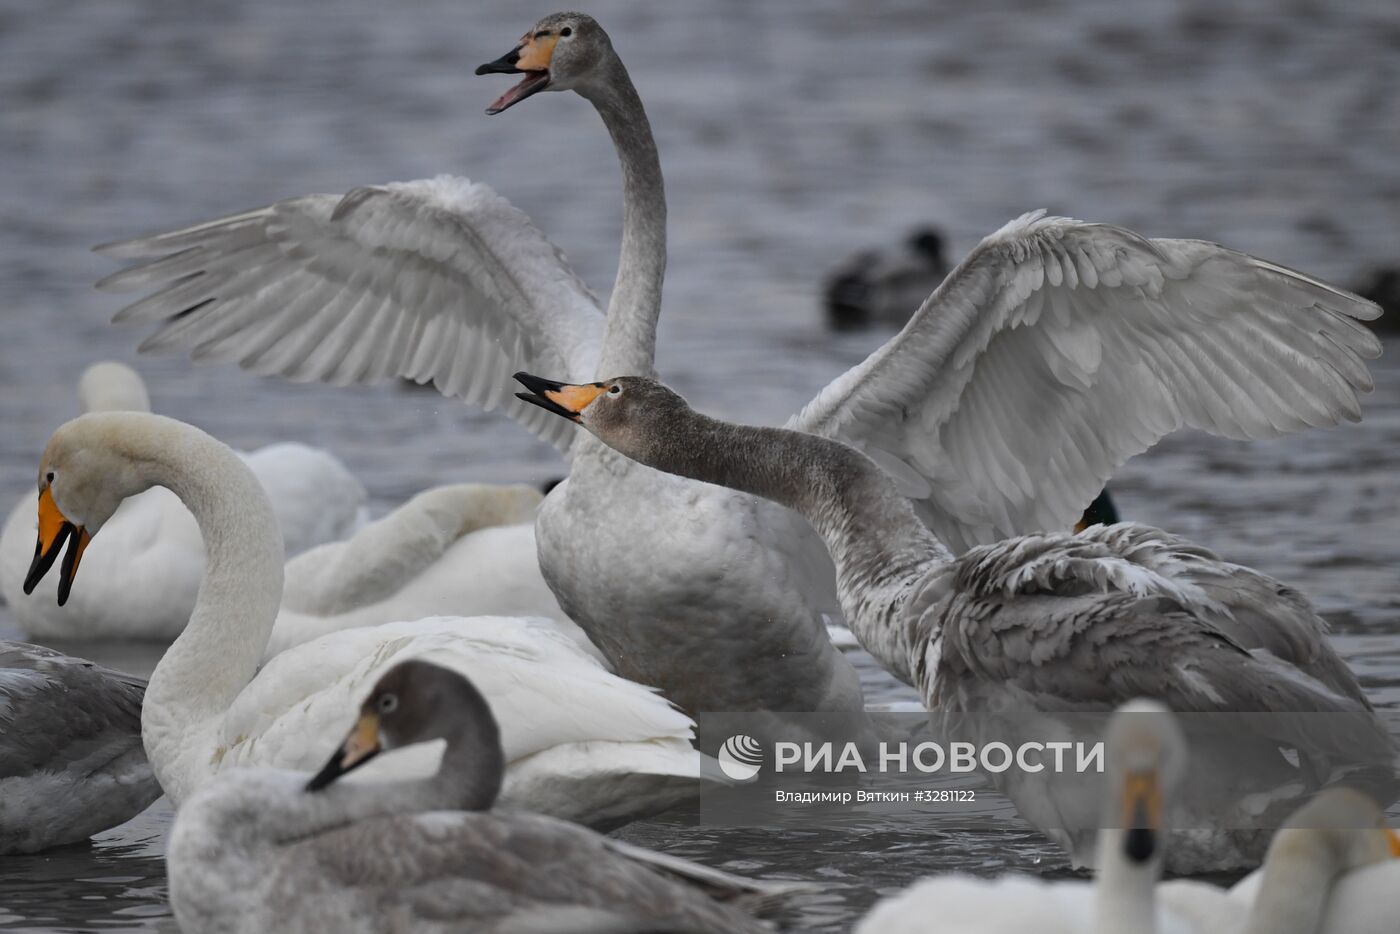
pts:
pixel 257 851
pixel 1048 623
pixel 71 759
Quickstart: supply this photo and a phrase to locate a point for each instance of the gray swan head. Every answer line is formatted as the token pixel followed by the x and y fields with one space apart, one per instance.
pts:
pixel 562 52
pixel 636 416
pixel 417 702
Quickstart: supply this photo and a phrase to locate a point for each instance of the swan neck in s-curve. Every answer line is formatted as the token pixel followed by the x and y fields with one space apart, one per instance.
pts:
pixel 629 336
pixel 218 652
pixel 877 542
pixel 468 779
pixel 1298 876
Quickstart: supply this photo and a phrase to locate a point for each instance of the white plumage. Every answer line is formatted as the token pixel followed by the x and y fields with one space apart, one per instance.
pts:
pixel 140 580
pixel 1054 352
pixel 581 742
pixel 462 550
pixel 1058 349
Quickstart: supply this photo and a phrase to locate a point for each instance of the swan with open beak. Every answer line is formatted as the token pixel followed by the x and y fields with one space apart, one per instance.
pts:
pixel 54 529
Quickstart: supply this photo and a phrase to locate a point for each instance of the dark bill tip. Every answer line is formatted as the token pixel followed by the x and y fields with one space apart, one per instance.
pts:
pixel 549 405
pixel 333 769
pixel 1140 844
pixel 43 560
pixel 505 65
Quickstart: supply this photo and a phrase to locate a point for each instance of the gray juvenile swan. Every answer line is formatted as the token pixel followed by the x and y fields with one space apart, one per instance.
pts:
pixel 1054 352
pixel 71 761
pixel 263 850
pixel 1051 622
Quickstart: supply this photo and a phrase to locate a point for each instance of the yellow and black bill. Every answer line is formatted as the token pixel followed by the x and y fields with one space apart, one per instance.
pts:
pixel 1142 816
pixel 54 529
pixel 567 400
pixel 362 745
pixel 530 58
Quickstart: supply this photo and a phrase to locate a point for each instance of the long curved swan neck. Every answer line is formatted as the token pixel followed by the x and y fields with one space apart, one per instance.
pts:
pixel 1125 892
pixel 876 540
pixel 220 648
pixel 468 779
pixel 629 338
pixel 1298 875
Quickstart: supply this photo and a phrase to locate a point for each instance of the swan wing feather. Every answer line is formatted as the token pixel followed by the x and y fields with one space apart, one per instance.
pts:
pixel 1058 349
pixel 439 280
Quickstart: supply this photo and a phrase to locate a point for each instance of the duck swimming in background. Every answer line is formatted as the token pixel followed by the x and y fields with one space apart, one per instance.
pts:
pixel 884 287
pixel 1045 624
pixel 140 581
pixel 1056 350
pixel 261 850
pixel 581 743
pixel 71 760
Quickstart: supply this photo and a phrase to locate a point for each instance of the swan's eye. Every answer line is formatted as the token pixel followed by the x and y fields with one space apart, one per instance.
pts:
pixel 614 390
pixel 388 703
pixel 49 476
pixel 566 31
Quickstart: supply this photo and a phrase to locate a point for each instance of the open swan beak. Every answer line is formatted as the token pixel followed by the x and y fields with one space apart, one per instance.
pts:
pixel 530 58
pixel 54 530
pixel 359 747
pixel 566 399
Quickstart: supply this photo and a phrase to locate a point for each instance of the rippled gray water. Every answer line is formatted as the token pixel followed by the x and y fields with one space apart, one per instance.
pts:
pixel 791 132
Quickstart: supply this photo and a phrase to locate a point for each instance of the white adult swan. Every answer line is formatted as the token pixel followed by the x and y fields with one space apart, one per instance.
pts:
pixel 140 580
pixel 1328 869
pixel 581 742
pixel 1146 759
pixel 261 850
pixel 71 762
pixel 1331 869
pixel 1042 624
pixel 1052 354
pixel 462 549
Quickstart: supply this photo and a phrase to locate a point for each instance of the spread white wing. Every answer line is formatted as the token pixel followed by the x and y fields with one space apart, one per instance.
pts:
pixel 440 280
pixel 1059 349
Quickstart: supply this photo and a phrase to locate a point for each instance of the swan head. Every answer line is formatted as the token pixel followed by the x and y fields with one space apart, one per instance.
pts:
pixel 562 52
pixel 631 414
pixel 113 387
pixel 1146 760
pixel 84 475
pixel 418 702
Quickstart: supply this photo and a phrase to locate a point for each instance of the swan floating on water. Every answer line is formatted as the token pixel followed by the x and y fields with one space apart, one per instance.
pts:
pixel 581 743
pixel 140 580
pixel 463 550
pixel 1146 762
pixel 261 850
pixel 1332 868
pixel 1043 625
pixel 1329 869
pixel 1054 352
pixel 71 761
